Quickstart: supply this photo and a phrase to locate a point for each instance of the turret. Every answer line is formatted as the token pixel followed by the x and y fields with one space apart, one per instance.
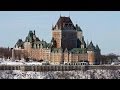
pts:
pixel 83 44
pixel 98 49
pixel 34 32
pixel 80 38
pixel 98 55
pixel 91 53
pixel 19 44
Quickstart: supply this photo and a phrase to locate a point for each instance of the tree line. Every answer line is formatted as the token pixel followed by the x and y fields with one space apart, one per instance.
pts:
pixel 5 52
pixel 107 59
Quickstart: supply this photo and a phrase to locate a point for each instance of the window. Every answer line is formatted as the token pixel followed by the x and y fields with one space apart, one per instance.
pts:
pixel 36 45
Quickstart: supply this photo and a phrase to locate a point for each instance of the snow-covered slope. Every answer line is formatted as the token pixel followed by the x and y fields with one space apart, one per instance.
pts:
pixel 89 74
pixel 19 62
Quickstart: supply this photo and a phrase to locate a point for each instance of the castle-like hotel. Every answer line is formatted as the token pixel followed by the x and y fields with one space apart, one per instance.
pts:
pixel 67 45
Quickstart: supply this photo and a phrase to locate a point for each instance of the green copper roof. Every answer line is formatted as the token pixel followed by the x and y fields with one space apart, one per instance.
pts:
pixel 20 43
pixel 31 37
pixel 30 33
pixel 78 50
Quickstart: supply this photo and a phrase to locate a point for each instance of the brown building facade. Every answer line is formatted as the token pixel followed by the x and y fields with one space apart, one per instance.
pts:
pixel 67 45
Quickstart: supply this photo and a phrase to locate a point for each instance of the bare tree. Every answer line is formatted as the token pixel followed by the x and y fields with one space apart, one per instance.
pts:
pixel 107 59
pixel 5 52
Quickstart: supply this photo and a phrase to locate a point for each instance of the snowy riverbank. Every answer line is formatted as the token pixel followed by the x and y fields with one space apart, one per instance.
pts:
pixel 89 74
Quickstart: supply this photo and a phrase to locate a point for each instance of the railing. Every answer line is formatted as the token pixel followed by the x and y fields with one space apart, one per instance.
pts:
pixel 57 67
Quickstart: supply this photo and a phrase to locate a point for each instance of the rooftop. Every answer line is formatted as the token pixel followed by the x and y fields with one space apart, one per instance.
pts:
pixel 64 22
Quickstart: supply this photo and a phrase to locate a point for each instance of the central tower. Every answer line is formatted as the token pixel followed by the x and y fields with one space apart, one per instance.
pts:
pixel 64 33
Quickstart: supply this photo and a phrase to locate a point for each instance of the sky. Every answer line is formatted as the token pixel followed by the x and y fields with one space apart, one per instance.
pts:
pixel 100 27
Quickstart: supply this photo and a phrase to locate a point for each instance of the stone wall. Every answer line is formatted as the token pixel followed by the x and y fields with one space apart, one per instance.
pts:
pixel 58 67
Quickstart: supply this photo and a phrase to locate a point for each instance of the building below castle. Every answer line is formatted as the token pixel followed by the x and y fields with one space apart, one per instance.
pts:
pixel 67 45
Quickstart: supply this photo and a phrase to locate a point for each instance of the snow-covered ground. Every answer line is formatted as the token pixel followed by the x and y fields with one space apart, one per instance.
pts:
pixel 17 62
pixel 89 74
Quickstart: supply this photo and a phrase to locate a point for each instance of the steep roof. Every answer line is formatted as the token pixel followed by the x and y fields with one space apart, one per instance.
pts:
pixel 91 47
pixel 30 33
pixel 31 37
pixel 97 47
pixel 20 43
pixel 62 21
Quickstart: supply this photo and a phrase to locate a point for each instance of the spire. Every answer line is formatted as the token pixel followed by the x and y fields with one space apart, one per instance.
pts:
pixel 34 32
pixel 91 47
pixel 97 47
pixel 91 43
pixel 60 14
pixel 69 14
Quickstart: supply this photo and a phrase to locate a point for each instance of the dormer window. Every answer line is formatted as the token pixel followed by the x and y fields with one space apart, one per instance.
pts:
pixel 66 24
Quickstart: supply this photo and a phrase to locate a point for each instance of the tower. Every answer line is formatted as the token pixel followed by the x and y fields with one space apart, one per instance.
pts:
pixel 19 44
pixel 80 38
pixel 98 54
pixel 65 34
pixel 91 53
